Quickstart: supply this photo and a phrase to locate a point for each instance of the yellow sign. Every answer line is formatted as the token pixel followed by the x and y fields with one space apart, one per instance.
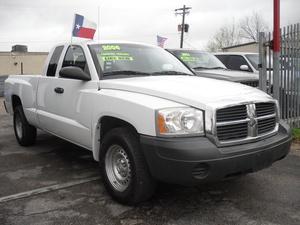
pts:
pixel 111 47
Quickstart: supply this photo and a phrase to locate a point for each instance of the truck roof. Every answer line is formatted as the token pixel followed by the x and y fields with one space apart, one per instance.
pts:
pixel 186 49
pixel 106 42
pixel 235 53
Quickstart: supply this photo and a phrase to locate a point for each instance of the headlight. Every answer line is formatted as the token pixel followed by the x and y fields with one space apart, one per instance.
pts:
pixel 179 121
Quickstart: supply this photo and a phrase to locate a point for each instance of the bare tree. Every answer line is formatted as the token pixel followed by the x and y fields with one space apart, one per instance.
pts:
pixel 250 26
pixel 245 30
pixel 227 35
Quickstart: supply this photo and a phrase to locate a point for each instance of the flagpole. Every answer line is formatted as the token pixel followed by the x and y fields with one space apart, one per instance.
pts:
pixel 73 28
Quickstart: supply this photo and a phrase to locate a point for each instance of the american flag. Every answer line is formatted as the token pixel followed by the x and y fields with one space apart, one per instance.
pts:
pixel 161 41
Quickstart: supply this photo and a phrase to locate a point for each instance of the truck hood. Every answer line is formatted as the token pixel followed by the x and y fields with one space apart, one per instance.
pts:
pixel 202 93
pixel 229 75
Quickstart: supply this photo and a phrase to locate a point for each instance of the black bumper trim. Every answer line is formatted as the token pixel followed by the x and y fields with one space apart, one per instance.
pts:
pixel 184 160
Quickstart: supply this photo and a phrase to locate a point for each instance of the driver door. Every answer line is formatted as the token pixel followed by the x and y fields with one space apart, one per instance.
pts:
pixel 71 106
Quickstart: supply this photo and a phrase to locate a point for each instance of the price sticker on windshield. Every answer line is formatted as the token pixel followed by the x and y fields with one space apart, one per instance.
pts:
pixel 117 58
pixel 186 57
pixel 111 47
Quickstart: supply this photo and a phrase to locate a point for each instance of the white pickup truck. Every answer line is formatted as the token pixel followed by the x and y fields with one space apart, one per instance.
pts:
pixel 146 117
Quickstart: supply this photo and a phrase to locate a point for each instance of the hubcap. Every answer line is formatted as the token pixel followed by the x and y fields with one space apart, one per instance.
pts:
pixel 117 167
pixel 19 126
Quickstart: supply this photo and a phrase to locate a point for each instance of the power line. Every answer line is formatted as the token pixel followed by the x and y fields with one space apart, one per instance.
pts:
pixel 182 11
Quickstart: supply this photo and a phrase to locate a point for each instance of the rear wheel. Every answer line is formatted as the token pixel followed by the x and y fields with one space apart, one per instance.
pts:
pixel 24 132
pixel 123 167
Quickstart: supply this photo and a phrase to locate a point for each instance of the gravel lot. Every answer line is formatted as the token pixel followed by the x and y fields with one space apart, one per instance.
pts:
pixel 271 196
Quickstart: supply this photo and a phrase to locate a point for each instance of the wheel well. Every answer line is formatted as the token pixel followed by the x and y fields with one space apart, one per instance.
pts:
pixel 107 123
pixel 16 101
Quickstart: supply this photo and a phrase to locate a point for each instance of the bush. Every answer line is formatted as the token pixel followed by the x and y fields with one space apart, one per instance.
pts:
pixel 296 134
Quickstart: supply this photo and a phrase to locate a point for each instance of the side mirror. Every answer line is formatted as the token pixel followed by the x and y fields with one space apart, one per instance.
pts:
pixel 244 68
pixel 74 72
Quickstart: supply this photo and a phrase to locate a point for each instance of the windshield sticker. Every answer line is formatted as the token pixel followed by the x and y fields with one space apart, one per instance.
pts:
pixel 111 47
pixel 185 54
pixel 116 56
pixel 186 57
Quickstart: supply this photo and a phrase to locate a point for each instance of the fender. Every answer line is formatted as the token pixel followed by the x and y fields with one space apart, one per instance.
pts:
pixel 136 109
pixel 25 88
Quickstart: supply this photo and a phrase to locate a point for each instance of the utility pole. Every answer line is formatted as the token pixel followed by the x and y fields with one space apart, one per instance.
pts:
pixel 182 11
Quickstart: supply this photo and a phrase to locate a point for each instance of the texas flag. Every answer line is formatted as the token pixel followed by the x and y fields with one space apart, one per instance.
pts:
pixel 83 28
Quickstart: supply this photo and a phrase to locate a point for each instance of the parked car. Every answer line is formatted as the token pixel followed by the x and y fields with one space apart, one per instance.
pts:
pixel 207 65
pixel 242 61
pixel 146 117
pixel 239 61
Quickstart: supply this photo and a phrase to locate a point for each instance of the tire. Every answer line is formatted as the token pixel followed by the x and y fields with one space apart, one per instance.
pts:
pixel 24 132
pixel 128 182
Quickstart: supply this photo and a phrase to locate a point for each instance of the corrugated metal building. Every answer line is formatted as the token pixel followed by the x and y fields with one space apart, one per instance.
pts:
pixel 247 47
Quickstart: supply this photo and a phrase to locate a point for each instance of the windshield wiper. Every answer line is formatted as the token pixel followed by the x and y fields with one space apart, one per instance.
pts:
pixel 218 67
pixel 171 72
pixel 200 68
pixel 124 72
pixel 208 68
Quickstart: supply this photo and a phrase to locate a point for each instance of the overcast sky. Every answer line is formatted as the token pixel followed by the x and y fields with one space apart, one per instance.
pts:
pixel 40 24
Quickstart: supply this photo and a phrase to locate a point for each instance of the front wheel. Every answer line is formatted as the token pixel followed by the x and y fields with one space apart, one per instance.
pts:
pixel 24 132
pixel 123 167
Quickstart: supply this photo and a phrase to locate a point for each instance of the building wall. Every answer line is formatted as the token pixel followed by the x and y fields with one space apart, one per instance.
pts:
pixel 33 62
pixel 244 48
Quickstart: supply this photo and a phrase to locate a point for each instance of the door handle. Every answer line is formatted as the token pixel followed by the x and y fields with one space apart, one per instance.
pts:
pixel 59 90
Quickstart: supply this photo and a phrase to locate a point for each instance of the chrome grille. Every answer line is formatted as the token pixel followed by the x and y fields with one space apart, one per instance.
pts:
pixel 231 132
pixel 266 125
pixel 245 122
pixel 232 113
pixel 251 83
pixel 263 109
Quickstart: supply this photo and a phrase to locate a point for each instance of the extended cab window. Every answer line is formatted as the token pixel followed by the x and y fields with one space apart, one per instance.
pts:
pixel 75 57
pixel 53 61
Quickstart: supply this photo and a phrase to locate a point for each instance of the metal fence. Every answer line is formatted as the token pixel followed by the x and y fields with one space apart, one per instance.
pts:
pixel 2 79
pixel 286 88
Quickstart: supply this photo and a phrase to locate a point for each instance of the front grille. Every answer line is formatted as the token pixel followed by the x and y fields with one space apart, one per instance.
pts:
pixel 244 122
pixel 251 83
pixel 232 132
pixel 232 113
pixel 266 125
pixel 264 109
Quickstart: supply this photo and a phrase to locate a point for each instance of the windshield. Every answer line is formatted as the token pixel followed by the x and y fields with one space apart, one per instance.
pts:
pixel 253 58
pixel 137 60
pixel 199 60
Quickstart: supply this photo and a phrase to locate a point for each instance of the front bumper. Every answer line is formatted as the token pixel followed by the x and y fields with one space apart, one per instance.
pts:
pixel 195 160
